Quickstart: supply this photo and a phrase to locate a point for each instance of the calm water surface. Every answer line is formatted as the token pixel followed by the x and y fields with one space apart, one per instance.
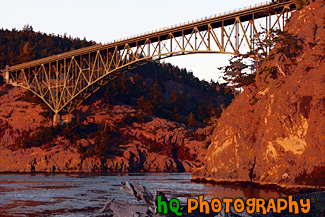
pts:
pixel 84 195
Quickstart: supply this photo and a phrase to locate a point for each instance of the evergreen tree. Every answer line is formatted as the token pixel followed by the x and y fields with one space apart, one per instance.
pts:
pixel 176 116
pixel 145 105
pixel 238 73
pixel 156 97
pixel 175 98
pixel 191 122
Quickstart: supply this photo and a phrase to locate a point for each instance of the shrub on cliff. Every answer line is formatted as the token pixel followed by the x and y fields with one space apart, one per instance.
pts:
pixel 42 136
pixel 289 44
pixel 28 96
pixel 107 144
pixel 176 151
pixel 191 122
pixel 73 131
pixel 300 3
pixel 45 136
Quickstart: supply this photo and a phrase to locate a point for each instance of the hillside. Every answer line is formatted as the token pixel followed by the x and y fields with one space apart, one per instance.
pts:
pixel 154 118
pixel 26 45
pixel 273 133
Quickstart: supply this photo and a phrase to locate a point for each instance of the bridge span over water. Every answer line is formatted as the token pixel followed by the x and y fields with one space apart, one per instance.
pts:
pixel 64 80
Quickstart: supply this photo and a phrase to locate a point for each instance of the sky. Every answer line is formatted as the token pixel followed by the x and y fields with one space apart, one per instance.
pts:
pixel 106 20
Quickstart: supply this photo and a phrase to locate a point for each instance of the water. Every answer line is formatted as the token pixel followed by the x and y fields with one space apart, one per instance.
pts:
pixel 84 195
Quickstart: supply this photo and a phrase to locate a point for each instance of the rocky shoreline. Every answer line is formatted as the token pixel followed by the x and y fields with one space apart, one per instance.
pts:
pixel 60 159
pixel 286 189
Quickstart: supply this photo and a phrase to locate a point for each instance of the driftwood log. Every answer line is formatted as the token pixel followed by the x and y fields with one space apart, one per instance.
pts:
pixel 141 193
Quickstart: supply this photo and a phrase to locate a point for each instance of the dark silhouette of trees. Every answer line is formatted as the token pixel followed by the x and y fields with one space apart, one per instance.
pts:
pixel 26 45
pixel 145 88
pixel 239 73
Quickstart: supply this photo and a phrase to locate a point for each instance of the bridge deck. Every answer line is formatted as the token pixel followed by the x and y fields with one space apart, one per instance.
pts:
pixel 248 13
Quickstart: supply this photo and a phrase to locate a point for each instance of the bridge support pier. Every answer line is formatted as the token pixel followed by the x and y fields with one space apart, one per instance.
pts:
pixel 6 74
pixel 7 77
pixel 56 120
pixel 67 118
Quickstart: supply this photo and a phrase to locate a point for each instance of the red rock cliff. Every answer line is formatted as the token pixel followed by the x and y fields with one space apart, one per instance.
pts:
pixel 274 131
pixel 136 154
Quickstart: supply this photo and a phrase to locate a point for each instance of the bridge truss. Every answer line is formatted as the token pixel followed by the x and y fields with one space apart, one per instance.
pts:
pixel 65 80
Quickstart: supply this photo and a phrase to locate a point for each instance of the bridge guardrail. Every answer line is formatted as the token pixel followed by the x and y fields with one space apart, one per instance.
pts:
pixel 193 21
pixel 98 46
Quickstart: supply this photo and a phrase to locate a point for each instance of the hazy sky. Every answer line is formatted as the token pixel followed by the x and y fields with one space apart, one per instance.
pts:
pixel 106 20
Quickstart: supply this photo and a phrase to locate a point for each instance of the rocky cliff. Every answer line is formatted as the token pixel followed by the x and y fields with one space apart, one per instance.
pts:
pixel 155 145
pixel 273 132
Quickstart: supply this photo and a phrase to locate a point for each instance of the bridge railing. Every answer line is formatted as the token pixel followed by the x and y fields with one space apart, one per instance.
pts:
pixel 193 21
pixel 119 42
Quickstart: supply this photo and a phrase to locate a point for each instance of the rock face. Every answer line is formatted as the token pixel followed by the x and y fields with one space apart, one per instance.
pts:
pixel 62 158
pixel 136 155
pixel 16 115
pixel 274 131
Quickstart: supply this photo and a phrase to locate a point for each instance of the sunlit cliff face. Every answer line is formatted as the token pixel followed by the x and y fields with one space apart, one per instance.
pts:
pixel 280 137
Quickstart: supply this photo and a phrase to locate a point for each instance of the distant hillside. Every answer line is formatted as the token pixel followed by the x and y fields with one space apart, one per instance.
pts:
pixel 26 45
pixel 167 92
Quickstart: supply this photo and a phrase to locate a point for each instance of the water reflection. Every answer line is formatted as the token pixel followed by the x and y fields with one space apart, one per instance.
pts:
pixel 84 194
pixel 240 191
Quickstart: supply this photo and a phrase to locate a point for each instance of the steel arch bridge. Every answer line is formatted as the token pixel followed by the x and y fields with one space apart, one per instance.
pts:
pixel 63 81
